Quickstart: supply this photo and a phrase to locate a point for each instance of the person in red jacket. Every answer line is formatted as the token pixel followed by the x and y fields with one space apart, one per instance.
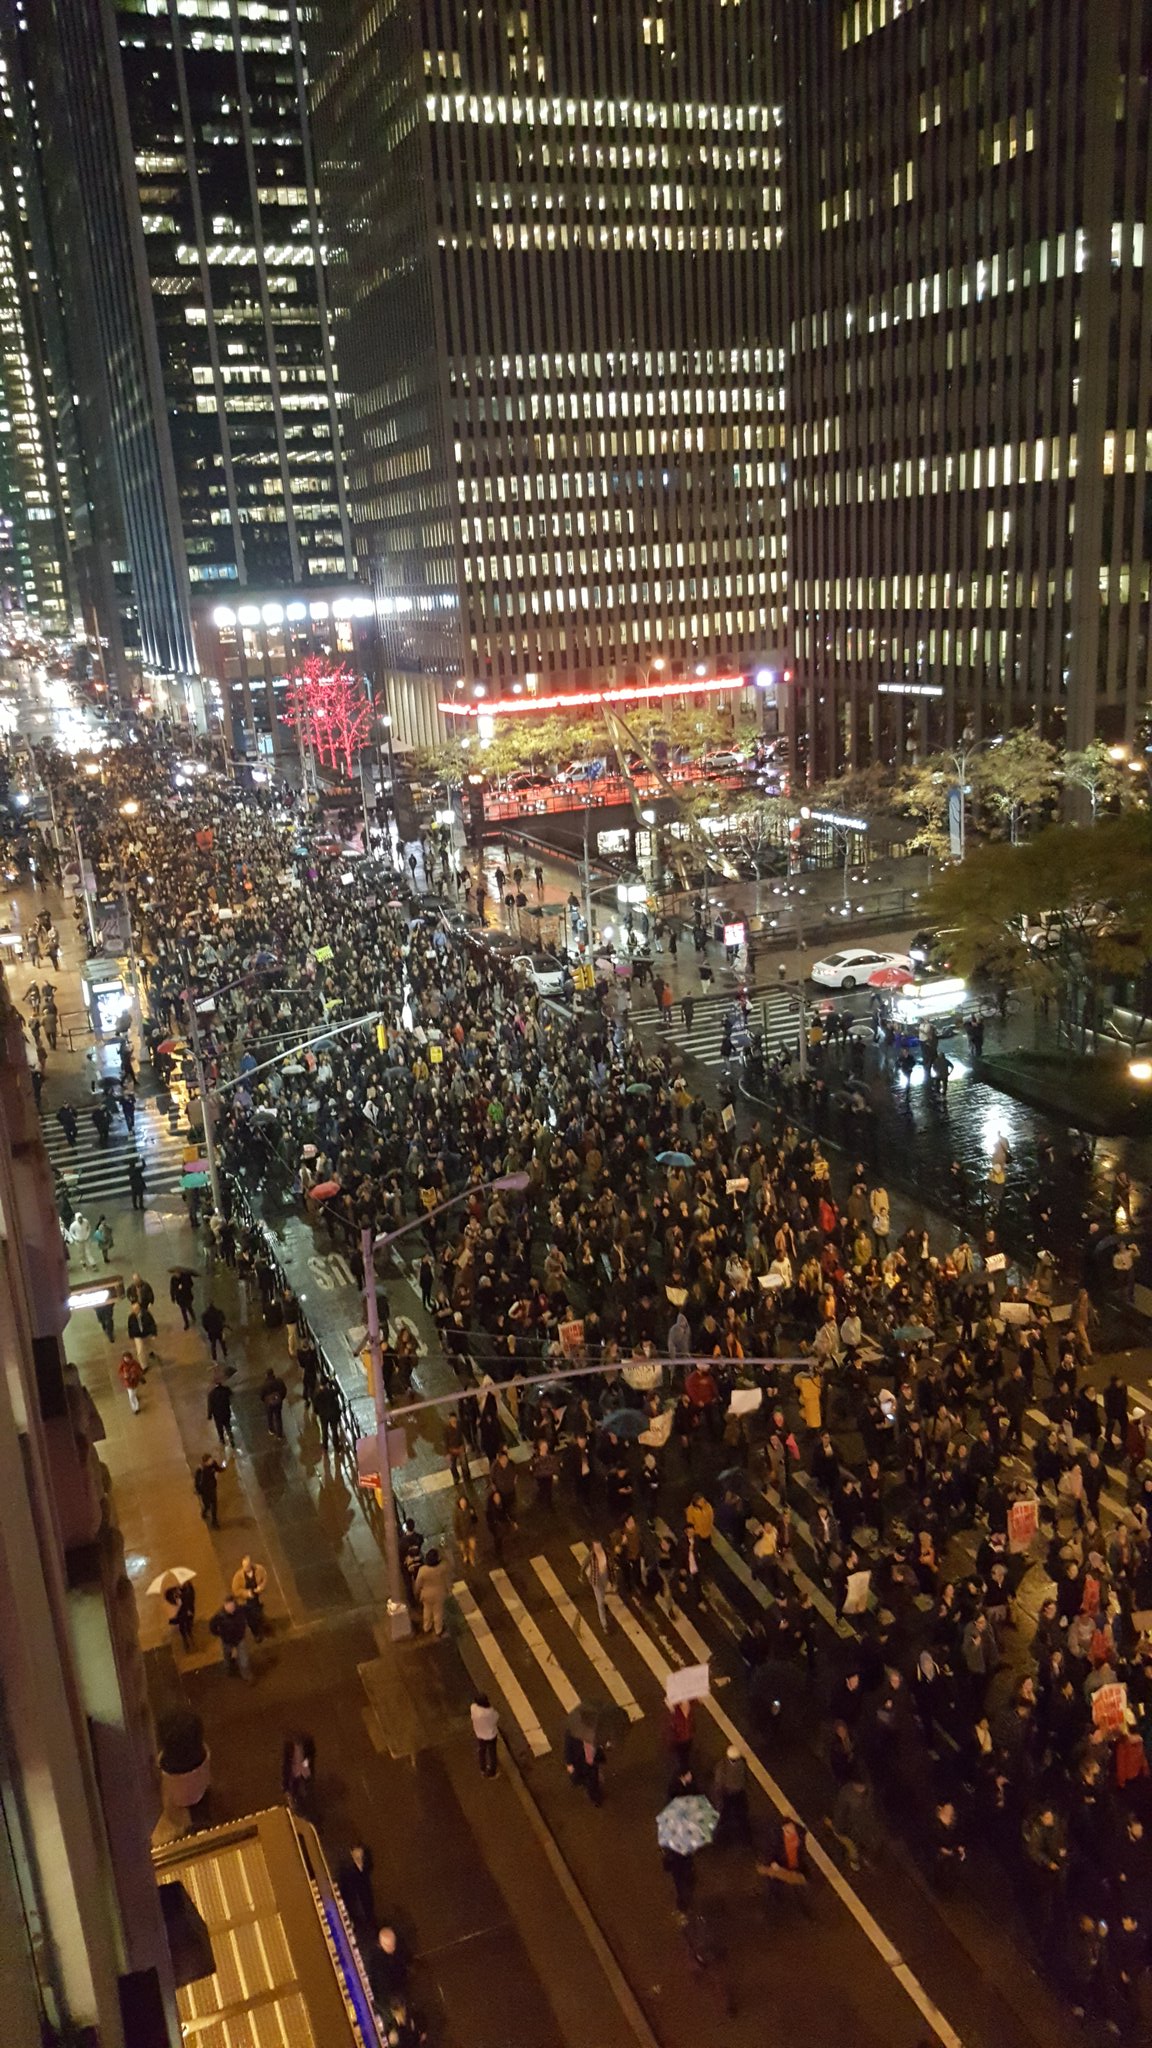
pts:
pixel 131 1378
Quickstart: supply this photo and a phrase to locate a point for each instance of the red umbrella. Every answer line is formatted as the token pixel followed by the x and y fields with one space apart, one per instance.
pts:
pixel 169 1044
pixel 323 1189
pixel 889 977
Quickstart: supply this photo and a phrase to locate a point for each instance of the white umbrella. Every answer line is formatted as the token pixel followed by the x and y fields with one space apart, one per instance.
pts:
pixel 176 1575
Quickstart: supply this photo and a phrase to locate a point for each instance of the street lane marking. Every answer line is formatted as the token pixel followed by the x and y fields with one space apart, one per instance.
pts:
pixel 639 1638
pixel 509 1685
pixel 586 1638
pixel 870 1927
pixel 834 1877
pixel 546 1658
pixel 739 1570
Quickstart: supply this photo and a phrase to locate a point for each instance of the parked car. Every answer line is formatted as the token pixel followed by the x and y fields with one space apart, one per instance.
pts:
pixel 547 974
pixel 852 967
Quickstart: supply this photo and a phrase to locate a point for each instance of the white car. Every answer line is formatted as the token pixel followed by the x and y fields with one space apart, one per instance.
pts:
pixel 853 967
pixel 547 974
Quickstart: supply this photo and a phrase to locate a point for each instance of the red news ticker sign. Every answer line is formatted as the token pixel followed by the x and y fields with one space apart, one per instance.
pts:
pixel 627 693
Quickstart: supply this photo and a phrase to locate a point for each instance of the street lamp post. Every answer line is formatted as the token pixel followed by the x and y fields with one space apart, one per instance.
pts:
pixel 399 1617
pixel 205 1102
pixel 89 913
pixel 131 809
pixel 964 752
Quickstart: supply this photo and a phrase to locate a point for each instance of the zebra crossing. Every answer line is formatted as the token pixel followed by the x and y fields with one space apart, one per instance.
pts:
pixel 93 1172
pixel 775 1014
pixel 534 1621
pixel 542 1659
pixel 534 1624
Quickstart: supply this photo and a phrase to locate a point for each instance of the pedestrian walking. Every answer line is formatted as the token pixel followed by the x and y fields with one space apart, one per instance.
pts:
pixel 213 1324
pixel 730 1798
pixel 205 1484
pixel 597 1569
pixel 248 1583
pixel 432 1583
pixel 485 1723
pixel 180 1290
pixel 290 1313
pixel 138 1187
pixel 131 1375
pixel 141 1330
pixel 220 1410
pixel 229 1625
pixel 298 1772
pixel 182 1601
pixel 465 1528
pixel 274 1393
pixel 326 1409
pixel 103 1238
pixel 80 1238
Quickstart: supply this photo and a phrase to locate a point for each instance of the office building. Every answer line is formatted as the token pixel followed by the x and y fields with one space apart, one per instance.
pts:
pixel 553 237
pixel 969 388
pixel 84 1953
pixel 187 160
pixel 248 649
pixel 35 539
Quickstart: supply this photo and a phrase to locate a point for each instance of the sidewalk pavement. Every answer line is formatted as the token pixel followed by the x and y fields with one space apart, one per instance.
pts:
pixel 499 1952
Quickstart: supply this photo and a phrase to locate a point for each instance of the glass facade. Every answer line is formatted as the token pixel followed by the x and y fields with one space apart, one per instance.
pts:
pixel 34 532
pixel 554 244
pixel 214 97
pixel 969 404
pixel 180 142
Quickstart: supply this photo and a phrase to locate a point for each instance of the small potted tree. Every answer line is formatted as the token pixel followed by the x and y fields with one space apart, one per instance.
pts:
pixel 185 1761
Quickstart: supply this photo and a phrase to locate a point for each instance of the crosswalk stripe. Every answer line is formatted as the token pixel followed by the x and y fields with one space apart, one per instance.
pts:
pixel 639 1638
pixel 700 1652
pixel 597 1656
pixel 95 1172
pixel 545 1657
pixel 502 1672
pixel 829 1871
pixel 739 1570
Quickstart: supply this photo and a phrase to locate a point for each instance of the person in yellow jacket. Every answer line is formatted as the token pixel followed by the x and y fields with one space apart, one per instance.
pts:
pixel 700 1518
pixel 808 1392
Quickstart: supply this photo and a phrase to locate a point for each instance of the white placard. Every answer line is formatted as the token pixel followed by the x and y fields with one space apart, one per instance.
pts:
pixel 745 1400
pixel 689 1684
pixel 856 1597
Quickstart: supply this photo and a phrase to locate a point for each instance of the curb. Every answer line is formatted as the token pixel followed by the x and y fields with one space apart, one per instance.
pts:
pixel 618 1984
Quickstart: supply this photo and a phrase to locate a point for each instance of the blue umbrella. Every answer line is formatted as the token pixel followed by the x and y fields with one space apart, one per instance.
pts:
pixel 687 1824
pixel 674 1159
pixel 625 1421
pixel 912 1333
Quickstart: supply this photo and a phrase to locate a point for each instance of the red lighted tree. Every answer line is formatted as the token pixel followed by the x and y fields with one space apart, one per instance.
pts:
pixel 327 707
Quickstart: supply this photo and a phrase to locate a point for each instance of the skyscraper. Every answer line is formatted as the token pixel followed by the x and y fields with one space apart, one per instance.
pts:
pixel 188 164
pixel 969 391
pixel 553 241
pixel 35 541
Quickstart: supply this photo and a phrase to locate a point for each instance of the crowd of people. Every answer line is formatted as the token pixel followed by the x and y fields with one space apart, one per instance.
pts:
pixel 896 1481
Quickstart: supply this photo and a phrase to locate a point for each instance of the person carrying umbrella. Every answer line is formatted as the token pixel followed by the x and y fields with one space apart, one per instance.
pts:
pixel 683 1827
pixel 182 1600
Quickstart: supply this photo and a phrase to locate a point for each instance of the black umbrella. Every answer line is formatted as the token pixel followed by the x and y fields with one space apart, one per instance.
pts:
pixel 597 1721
